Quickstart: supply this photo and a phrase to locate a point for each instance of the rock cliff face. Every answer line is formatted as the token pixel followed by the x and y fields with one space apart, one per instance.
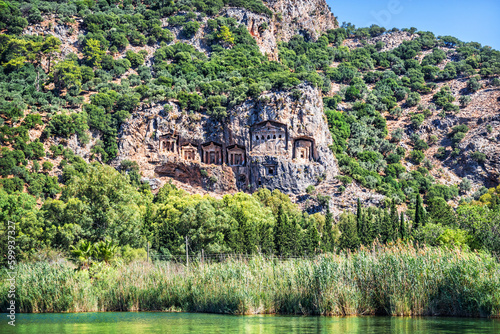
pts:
pixel 255 23
pixel 279 141
pixel 202 154
pixel 391 40
pixel 305 17
pixel 309 18
pixel 483 138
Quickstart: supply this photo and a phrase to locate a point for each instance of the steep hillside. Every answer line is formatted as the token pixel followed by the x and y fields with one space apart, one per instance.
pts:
pixel 225 96
pixel 472 109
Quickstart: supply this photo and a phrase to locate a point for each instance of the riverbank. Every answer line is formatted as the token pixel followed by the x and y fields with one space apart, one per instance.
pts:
pixel 397 280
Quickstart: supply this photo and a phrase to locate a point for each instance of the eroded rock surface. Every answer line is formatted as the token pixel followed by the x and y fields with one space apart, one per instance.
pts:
pixel 279 141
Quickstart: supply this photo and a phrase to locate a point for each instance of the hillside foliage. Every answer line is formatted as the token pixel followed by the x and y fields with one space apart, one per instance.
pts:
pixel 126 58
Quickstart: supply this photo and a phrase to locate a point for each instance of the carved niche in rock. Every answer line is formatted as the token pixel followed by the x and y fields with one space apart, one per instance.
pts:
pixel 303 149
pixel 189 152
pixel 212 153
pixel 236 155
pixel 269 137
pixel 169 144
pixel 271 169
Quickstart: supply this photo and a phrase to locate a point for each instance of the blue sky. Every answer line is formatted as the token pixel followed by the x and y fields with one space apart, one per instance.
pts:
pixel 471 20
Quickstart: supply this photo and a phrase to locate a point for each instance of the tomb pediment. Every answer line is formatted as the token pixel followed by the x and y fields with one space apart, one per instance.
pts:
pixel 269 137
pixel 269 125
pixel 189 152
pixel 212 153
pixel 169 144
pixel 236 155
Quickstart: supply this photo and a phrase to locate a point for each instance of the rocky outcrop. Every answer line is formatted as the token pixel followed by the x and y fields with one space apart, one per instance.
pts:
pixel 279 141
pixel 485 139
pixel 306 17
pixel 305 120
pixel 260 27
pixel 391 40
pixel 218 179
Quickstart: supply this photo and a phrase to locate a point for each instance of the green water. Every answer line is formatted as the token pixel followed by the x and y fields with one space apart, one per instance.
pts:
pixel 150 322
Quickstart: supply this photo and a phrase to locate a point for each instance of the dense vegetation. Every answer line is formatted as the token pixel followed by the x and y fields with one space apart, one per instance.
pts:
pixel 97 215
pixel 41 89
pixel 383 82
pixel 395 280
pixel 99 203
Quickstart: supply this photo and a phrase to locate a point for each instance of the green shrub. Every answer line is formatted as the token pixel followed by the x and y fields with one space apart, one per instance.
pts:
pixel 473 84
pixel 417 120
pixel 136 59
pixel 191 28
pixel 310 189
pixel 478 156
pixel 417 156
pixel 47 166
pixel 413 99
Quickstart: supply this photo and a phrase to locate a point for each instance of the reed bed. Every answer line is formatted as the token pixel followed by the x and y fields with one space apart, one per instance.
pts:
pixel 398 280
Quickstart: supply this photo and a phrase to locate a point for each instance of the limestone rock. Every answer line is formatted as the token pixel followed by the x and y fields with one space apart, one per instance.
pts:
pixel 305 17
pixel 309 18
pixel 279 141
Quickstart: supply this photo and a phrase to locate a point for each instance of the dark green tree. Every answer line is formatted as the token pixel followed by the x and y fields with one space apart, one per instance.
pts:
pixel 394 217
pixel 359 216
pixel 311 240
pixel 284 237
pixel 403 227
pixel 419 213
pixel 385 226
pixel 349 236
pixel 327 237
pixel 439 212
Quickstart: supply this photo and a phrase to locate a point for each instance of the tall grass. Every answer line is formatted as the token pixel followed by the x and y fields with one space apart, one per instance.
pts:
pixel 392 280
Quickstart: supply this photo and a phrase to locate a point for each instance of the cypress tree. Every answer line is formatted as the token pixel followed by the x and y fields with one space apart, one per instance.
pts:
pixel 327 237
pixel 359 217
pixel 403 228
pixel 266 234
pixel 311 242
pixel 386 226
pixel 249 235
pixel 419 213
pixel 394 221
pixel 362 217
pixel 279 233
pixel 294 234
pixel 366 234
pixel 372 225
pixel 286 237
pixel 349 236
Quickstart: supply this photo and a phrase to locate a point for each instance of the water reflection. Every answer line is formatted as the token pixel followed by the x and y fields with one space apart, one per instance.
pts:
pixel 151 322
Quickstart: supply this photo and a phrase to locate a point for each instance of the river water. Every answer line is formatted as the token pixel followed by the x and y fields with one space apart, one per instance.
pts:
pixel 157 322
